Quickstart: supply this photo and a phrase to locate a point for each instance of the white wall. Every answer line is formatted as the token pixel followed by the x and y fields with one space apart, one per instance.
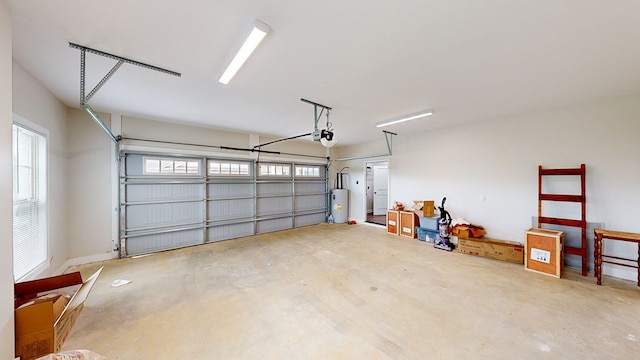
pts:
pixel 497 161
pixel 35 103
pixel 6 242
pixel 158 130
pixel 89 187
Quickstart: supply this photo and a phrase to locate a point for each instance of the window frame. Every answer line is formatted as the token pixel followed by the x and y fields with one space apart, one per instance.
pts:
pixel 315 169
pixel 231 165
pixel 163 162
pixel 42 196
pixel 275 167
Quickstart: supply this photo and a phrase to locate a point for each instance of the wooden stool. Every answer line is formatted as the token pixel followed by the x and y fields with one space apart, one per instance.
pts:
pixel 601 234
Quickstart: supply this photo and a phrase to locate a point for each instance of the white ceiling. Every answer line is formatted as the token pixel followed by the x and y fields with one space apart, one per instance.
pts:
pixel 370 60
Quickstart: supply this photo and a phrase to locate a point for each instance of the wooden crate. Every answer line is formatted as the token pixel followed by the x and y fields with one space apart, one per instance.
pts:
pixel 543 251
pixel 393 221
pixel 408 222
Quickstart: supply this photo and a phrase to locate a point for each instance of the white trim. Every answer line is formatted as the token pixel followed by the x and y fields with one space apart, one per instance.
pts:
pixel 37 271
pixel 374 225
pixel 84 260
pixel 364 170
pixel 44 132
pixel 30 125
pixel 116 129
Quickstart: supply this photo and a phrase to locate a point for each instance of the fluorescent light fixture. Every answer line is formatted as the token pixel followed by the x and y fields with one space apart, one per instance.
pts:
pixel 258 33
pixel 406 118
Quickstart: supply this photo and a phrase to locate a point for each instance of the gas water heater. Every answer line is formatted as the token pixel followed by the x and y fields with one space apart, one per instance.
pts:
pixel 340 205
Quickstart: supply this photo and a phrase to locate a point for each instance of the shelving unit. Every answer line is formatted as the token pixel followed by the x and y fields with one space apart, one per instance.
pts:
pixel 581 198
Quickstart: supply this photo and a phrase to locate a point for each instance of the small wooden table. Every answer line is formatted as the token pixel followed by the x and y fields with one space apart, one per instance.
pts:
pixel 601 234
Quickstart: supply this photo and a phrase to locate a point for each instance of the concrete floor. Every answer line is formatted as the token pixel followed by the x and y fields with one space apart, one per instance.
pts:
pixel 349 292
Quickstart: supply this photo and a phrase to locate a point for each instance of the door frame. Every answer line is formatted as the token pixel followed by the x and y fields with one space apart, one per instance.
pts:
pixel 371 163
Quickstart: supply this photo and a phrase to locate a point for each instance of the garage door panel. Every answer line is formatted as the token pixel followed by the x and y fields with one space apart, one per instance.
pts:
pixel 163 192
pixel 229 190
pixel 265 226
pixel 309 219
pixel 165 241
pixel 309 202
pixel 224 209
pixel 309 187
pixel 274 205
pixel 152 215
pixel 133 164
pixel 230 231
pixel 265 189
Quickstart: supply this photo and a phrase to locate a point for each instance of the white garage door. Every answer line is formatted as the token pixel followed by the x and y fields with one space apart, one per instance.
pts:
pixel 170 202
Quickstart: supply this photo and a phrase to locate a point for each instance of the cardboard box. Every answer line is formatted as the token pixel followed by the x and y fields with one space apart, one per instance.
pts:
pixel 46 309
pixel 544 253
pixel 468 232
pixel 494 249
pixel 424 207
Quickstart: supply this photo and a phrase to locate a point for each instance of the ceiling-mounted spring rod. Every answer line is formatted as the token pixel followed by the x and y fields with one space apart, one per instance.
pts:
pixel 315 111
pixel 120 60
pixel 82 74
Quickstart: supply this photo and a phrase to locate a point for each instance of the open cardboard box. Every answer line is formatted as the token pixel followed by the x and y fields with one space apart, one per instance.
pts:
pixel 423 207
pixel 45 311
pixel 468 232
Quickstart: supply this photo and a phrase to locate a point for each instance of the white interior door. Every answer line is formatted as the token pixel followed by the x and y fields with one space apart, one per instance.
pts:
pixel 380 189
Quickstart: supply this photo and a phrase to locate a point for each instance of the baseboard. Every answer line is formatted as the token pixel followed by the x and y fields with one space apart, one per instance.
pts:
pixel 85 260
pixel 372 224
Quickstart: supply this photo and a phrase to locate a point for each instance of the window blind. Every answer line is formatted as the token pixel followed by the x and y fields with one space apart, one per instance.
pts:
pixel 29 201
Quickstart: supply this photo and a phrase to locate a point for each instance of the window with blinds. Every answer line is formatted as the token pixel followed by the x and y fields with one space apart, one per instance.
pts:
pixel 29 201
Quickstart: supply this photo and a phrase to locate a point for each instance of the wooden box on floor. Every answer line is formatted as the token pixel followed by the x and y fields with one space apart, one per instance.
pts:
pixel 543 251
pixel 408 222
pixel 393 219
pixel 493 249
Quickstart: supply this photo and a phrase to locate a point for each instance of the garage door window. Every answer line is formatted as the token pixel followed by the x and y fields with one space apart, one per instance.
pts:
pixel 158 166
pixel 275 170
pixel 307 171
pixel 228 168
